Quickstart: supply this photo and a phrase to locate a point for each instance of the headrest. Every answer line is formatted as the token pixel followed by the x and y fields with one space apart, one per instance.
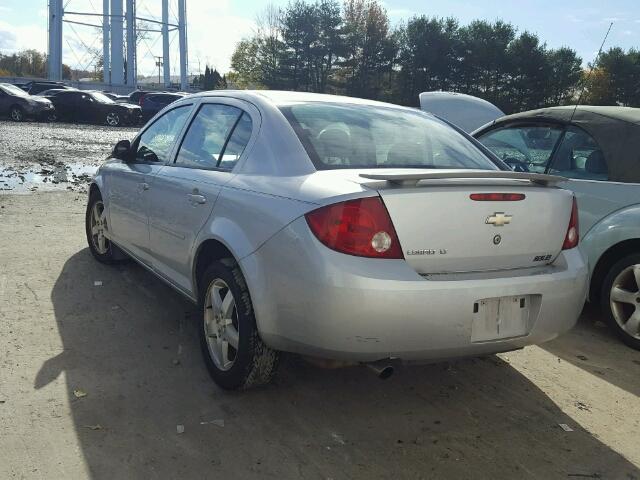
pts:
pixel 595 163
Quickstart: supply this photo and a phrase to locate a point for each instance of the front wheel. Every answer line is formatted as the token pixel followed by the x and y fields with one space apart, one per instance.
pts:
pixel 17 114
pixel 233 351
pixel 113 119
pixel 96 227
pixel 620 299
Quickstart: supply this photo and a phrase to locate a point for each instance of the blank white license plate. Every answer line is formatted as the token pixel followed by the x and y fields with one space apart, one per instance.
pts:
pixel 499 318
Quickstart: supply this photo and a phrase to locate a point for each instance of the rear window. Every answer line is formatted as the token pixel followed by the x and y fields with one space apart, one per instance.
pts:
pixel 364 136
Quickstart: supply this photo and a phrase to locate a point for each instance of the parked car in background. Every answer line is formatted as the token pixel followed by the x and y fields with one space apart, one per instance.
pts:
pixel 53 91
pixel 152 103
pixel 35 87
pixel 136 96
pixel 598 150
pixel 339 228
pixel 93 107
pixel 19 105
pixel 117 98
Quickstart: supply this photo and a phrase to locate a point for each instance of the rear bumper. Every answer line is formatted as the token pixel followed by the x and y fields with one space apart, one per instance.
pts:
pixel 311 300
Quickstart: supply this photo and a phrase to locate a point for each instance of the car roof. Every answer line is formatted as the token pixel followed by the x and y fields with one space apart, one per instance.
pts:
pixel 281 97
pixel 565 114
pixel 171 94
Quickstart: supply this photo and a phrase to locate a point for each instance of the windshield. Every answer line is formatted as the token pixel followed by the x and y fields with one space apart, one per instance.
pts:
pixel 365 136
pixel 13 90
pixel 100 97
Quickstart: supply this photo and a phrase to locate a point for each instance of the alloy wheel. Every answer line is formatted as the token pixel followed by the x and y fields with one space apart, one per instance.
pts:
pixel 98 227
pixel 625 300
pixel 221 324
pixel 113 119
pixel 17 115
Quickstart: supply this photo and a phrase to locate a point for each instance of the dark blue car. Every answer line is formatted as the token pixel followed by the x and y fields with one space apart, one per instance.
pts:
pixel 152 103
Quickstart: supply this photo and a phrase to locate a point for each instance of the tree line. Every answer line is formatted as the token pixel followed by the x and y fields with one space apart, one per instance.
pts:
pixel 351 48
pixel 27 63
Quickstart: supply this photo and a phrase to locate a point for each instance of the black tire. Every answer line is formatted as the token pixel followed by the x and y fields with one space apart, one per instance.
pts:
pixel 109 256
pixel 16 113
pixel 614 271
pixel 254 364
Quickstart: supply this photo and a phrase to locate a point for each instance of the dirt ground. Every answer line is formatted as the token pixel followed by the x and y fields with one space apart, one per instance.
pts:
pixel 99 365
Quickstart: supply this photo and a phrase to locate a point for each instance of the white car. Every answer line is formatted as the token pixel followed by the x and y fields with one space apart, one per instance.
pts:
pixel 337 228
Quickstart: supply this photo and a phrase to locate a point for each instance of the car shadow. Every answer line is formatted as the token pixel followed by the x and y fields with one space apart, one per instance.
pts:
pixel 592 346
pixel 130 344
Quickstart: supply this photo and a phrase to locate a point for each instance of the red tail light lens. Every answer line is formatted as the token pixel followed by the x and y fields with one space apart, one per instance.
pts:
pixel 572 237
pixel 497 197
pixel 360 227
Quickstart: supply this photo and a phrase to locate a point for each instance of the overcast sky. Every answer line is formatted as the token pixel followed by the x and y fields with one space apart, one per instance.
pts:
pixel 214 26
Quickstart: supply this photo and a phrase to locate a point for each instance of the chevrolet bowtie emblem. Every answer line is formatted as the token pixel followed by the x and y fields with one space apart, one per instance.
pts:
pixel 498 219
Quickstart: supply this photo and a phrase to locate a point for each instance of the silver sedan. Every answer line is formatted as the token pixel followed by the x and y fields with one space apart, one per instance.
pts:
pixel 337 228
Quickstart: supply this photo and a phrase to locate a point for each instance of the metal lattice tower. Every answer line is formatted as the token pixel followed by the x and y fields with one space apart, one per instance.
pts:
pixel 119 24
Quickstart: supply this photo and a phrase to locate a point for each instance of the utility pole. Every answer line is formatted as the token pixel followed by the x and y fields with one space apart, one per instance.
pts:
pixel 182 44
pixel 159 65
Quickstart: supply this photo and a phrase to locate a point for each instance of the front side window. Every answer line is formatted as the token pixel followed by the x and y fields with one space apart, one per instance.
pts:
pixel 365 136
pixel 155 143
pixel 207 136
pixel 579 156
pixel 525 148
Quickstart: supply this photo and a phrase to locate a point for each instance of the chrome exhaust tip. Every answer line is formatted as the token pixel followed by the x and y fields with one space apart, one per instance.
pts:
pixel 382 371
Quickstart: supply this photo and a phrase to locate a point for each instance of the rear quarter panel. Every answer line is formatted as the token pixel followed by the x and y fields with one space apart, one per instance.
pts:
pixel 621 225
pixel 243 219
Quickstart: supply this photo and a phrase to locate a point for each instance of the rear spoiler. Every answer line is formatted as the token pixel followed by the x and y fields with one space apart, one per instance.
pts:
pixel 412 179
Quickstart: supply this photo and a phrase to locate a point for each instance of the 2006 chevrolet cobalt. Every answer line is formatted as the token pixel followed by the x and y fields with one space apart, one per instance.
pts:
pixel 337 228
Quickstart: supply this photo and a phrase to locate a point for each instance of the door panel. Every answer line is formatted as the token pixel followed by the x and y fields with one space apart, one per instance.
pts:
pixel 186 191
pixel 180 203
pixel 4 103
pixel 129 185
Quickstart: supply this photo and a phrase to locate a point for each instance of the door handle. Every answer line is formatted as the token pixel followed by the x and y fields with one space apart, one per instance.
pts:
pixel 144 186
pixel 197 199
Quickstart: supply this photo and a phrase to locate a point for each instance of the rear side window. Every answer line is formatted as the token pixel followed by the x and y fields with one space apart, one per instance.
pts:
pixel 216 138
pixel 579 156
pixel 366 136
pixel 237 142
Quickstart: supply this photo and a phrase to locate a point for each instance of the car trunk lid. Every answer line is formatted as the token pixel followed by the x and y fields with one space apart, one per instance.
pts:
pixel 443 230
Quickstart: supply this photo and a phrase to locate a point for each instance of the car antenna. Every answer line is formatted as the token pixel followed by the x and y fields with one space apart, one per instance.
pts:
pixel 586 82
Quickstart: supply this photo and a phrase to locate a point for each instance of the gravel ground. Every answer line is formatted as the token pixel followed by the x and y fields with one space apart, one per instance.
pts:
pixel 99 366
pixel 53 156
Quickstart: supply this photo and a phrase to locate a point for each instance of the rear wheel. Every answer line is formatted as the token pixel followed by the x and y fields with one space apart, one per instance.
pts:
pixel 620 299
pixel 234 354
pixel 16 113
pixel 113 119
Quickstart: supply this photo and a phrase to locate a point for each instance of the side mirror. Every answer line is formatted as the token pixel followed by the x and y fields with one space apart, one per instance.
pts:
pixel 122 150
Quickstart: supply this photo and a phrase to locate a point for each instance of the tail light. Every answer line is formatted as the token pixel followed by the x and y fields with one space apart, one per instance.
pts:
pixel 572 237
pixel 360 227
pixel 141 101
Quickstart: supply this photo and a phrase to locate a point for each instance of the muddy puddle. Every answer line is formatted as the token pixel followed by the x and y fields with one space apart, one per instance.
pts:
pixel 33 178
